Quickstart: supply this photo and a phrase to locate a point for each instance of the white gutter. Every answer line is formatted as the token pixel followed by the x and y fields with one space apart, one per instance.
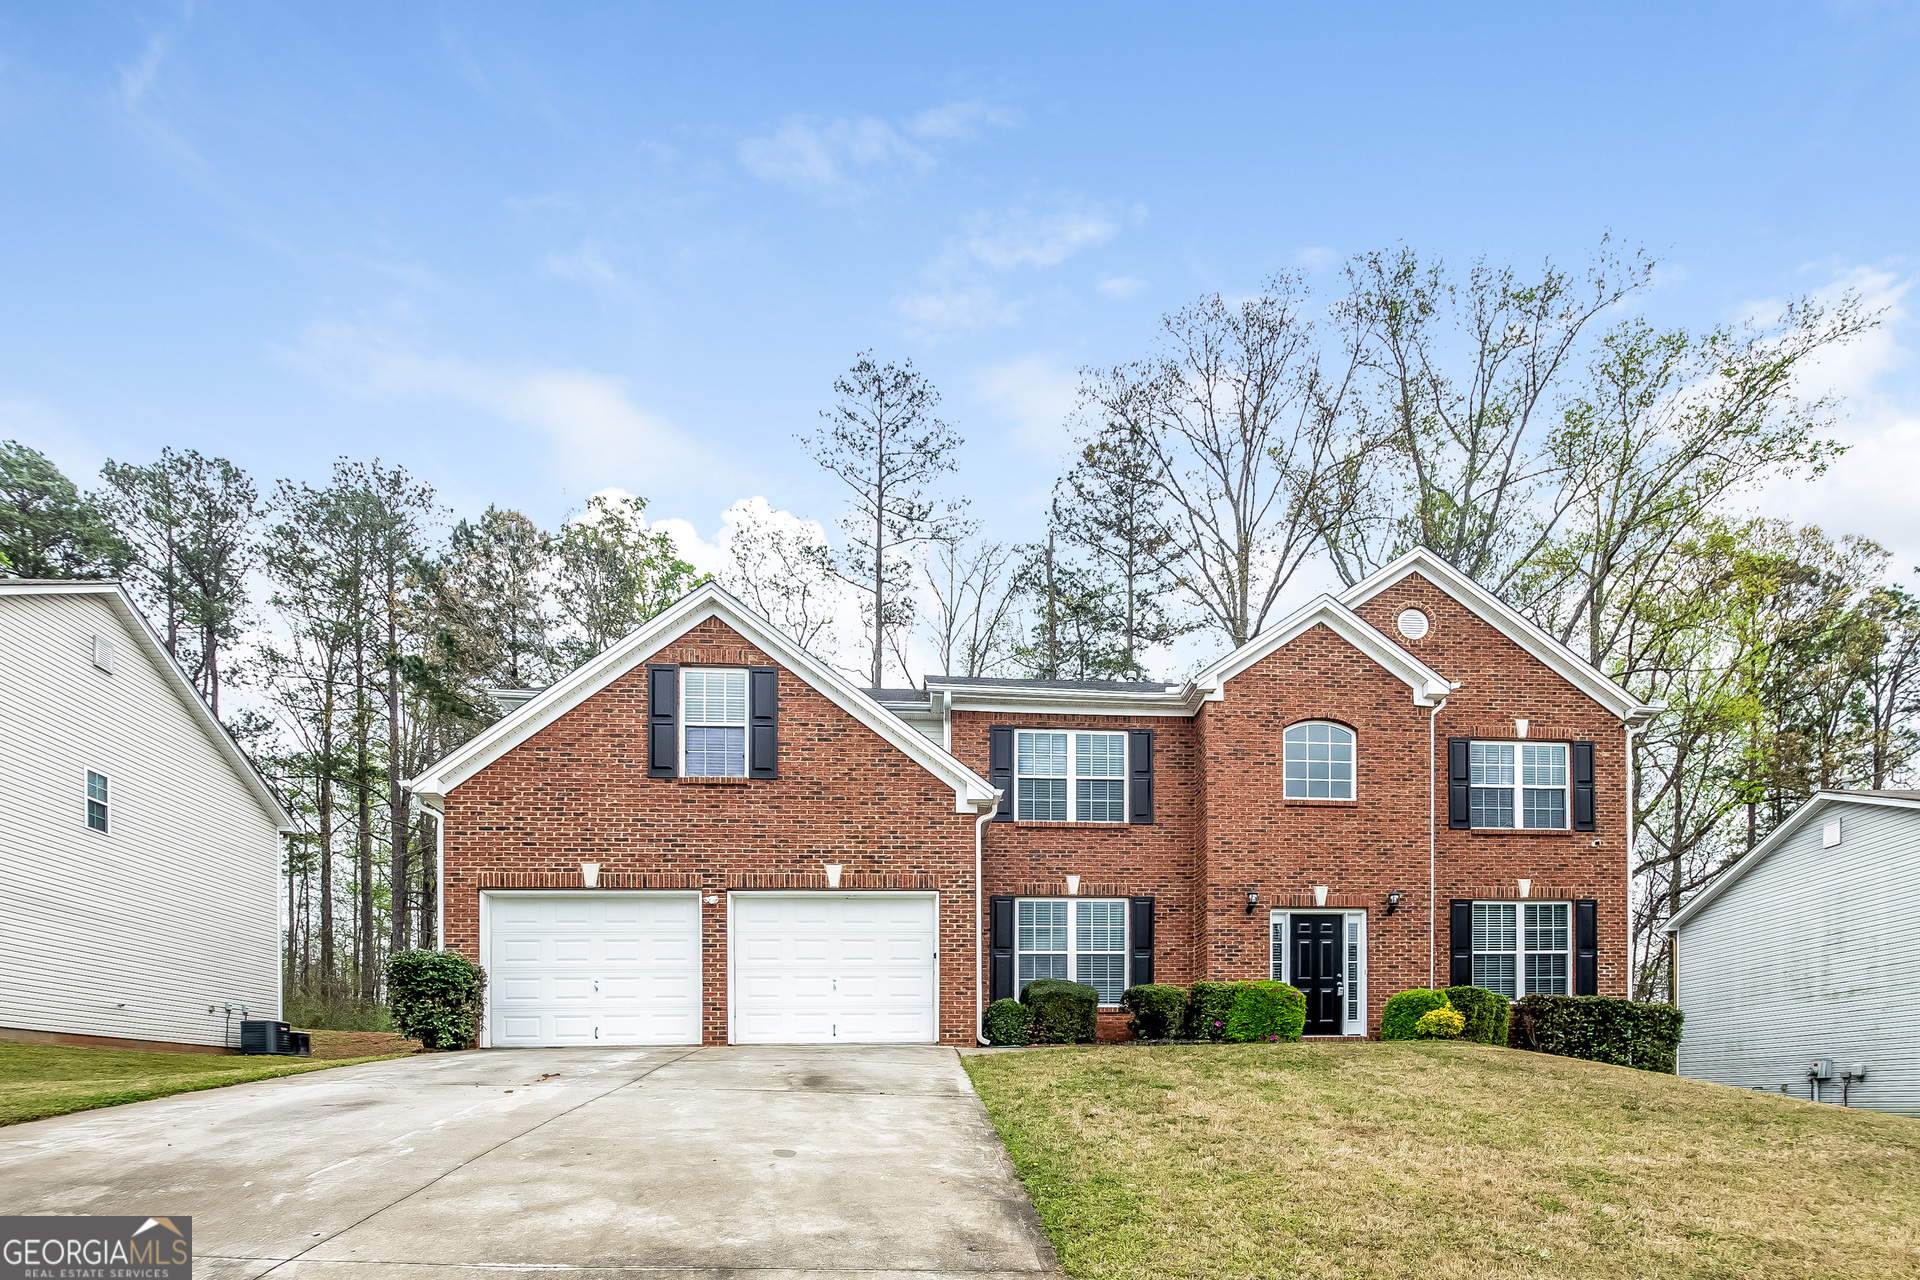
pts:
pixel 979 989
pixel 1432 838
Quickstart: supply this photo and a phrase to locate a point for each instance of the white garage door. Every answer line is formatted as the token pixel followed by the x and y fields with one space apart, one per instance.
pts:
pixel 593 968
pixel 830 968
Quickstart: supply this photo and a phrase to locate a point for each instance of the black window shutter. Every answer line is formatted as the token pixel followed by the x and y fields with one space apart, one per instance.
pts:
pixel 1141 941
pixel 763 716
pixel 1140 793
pixel 1583 786
pixel 1586 950
pixel 663 720
pixel 1461 973
pixel 1000 772
pixel 1000 985
pixel 1459 815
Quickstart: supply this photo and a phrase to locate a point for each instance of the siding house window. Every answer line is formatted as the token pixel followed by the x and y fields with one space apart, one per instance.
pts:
pixel 96 800
pixel 1319 762
pixel 715 708
pixel 1070 777
pixel 1527 778
pixel 1083 940
pixel 1521 948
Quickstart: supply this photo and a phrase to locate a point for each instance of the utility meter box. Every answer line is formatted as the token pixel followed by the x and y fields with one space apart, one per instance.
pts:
pixel 1822 1069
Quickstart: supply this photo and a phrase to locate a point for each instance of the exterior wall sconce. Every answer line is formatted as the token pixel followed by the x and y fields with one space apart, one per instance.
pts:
pixel 833 874
pixel 590 874
pixel 1253 900
pixel 1393 902
pixel 1319 895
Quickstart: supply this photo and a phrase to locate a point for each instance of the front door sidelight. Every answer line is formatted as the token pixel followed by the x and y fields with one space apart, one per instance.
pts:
pixel 1314 965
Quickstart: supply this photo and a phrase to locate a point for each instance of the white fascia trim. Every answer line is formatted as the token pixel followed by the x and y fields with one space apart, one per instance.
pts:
pixel 1099 702
pixel 1820 801
pixel 130 616
pixel 1427 685
pixel 1510 623
pixel 970 790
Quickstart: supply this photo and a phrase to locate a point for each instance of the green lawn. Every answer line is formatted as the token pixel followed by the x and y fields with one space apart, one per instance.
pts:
pixel 1441 1160
pixel 39 1080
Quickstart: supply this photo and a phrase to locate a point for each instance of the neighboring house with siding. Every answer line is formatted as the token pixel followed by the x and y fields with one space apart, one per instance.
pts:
pixel 140 852
pixel 706 834
pixel 1808 949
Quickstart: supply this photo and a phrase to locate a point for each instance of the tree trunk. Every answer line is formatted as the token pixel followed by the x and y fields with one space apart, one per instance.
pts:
pixel 326 857
pixel 363 805
pixel 397 799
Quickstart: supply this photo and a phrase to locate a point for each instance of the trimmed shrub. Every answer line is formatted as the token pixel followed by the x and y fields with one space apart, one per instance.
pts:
pixel 1405 1009
pixel 1208 1005
pixel 1440 1024
pixel 1626 1033
pixel 436 997
pixel 1486 1013
pixel 1009 1022
pixel 1063 1012
pixel 1159 1011
pixel 1265 1011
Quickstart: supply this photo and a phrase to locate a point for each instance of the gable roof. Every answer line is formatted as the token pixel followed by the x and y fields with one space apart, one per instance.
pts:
pixel 1510 623
pixel 1820 802
pixel 1426 684
pixel 971 792
pixel 116 598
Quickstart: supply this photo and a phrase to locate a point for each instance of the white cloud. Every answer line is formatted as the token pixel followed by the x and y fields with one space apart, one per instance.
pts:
pixel 1023 237
pixel 138 80
pixel 973 307
pixel 959 121
pixel 592 426
pixel 1037 394
pixel 818 158
pixel 1121 286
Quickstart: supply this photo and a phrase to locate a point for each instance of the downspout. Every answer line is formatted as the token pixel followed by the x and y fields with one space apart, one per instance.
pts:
pixel 1673 939
pixel 1432 838
pixel 979 986
pixel 439 875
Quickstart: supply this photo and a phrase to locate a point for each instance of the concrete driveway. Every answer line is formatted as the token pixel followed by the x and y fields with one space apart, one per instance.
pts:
pixel 747 1162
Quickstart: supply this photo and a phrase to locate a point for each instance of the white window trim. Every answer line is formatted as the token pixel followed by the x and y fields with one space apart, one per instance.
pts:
pixel 1353 765
pixel 1520 788
pixel 1073 925
pixel 1520 951
pixel 1073 776
pixel 86 801
pixel 1349 1025
pixel 745 725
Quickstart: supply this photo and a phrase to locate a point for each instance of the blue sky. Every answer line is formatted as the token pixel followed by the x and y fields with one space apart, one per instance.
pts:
pixel 534 251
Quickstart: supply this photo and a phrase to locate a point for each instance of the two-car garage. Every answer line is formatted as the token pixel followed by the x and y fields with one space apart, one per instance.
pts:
pixel 594 967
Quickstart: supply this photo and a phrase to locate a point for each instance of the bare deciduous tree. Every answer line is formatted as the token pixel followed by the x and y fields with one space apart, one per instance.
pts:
pixel 975 622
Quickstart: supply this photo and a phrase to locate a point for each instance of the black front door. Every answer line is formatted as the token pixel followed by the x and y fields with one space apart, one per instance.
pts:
pixel 1315 968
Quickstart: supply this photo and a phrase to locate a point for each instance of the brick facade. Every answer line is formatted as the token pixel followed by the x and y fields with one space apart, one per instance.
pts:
pixel 577 791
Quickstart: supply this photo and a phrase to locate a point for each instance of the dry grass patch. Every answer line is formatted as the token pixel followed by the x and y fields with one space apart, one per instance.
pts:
pixel 39 1080
pixel 1441 1160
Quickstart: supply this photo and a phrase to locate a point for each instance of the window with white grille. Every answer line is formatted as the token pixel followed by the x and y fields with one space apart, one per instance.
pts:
pixel 1524 780
pixel 1522 949
pixel 1070 777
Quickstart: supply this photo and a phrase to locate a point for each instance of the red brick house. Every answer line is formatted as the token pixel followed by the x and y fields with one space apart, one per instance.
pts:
pixel 708 835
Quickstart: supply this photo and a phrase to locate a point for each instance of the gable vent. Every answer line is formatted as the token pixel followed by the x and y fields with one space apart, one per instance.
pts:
pixel 1413 624
pixel 103 654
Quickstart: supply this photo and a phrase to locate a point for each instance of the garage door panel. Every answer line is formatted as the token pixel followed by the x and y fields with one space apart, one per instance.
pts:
pixel 593 969
pixel 825 968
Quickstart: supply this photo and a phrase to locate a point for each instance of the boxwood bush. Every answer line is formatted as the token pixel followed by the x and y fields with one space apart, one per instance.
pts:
pixel 1063 1012
pixel 1264 1011
pixel 436 997
pixel 1405 1009
pixel 1208 1005
pixel 1626 1033
pixel 1009 1022
pixel 1486 1013
pixel 1159 1011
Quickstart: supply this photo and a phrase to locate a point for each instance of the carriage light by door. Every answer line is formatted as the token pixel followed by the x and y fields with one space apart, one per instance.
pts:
pixel 1253 900
pixel 1393 902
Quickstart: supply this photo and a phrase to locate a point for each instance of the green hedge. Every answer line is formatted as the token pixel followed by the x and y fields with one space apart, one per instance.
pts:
pixel 1486 1012
pixel 1063 1012
pixel 1009 1022
pixel 1626 1033
pixel 1404 1010
pixel 1159 1011
pixel 436 997
pixel 1265 1011
pixel 1208 1006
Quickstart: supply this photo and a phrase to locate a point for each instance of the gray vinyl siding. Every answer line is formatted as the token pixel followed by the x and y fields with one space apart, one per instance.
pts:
pixel 135 932
pixel 1812 954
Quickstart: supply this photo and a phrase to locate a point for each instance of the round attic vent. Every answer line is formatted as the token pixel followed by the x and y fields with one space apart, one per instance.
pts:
pixel 1413 624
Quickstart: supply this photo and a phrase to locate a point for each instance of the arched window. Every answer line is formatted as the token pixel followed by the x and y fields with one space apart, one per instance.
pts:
pixel 1319 762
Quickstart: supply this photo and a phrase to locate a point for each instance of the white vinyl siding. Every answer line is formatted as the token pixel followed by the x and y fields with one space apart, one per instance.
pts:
pixel 1527 780
pixel 1522 948
pixel 714 704
pixel 1070 777
pixel 137 934
pixel 1319 762
pixel 1827 943
pixel 1080 939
